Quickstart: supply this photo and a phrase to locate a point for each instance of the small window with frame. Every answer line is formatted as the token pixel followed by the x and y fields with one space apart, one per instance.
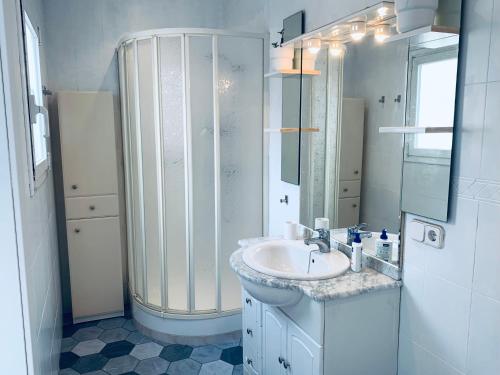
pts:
pixel 38 114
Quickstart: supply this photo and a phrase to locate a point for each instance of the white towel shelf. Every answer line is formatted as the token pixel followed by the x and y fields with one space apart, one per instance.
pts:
pixel 416 130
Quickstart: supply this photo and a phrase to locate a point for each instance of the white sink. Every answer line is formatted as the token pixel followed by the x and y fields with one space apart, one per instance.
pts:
pixel 294 260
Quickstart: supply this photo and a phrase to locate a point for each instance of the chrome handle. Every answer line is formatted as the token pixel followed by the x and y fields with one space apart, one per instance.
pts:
pixel 249 332
pixel 248 301
pixel 91 208
pixel 281 360
pixel 249 361
pixel 286 365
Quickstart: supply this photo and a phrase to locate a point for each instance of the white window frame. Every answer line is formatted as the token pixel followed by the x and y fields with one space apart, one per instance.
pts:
pixel 418 57
pixel 35 108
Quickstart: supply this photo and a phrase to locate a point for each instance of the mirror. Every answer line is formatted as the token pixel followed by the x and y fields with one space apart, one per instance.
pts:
pixel 385 114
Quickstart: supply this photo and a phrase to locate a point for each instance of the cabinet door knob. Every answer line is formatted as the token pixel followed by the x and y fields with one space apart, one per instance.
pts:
pixel 356 172
pixel 354 205
pixel 248 301
pixel 74 187
pixel 346 190
pixel 249 332
pixel 249 361
pixel 286 365
pixel 281 360
pixel 92 208
pixel 77 230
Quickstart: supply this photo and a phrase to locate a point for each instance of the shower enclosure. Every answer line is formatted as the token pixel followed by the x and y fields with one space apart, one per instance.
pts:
pixel 192 115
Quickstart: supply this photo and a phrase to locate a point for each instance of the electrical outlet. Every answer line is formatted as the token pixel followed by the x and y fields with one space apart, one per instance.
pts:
pixel 434 235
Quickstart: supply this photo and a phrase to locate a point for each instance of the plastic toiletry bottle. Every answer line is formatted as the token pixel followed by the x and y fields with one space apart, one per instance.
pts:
pixel 357 253
pixel 384 246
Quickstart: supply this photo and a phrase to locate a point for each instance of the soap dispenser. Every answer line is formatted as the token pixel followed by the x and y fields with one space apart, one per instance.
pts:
pixel 384 246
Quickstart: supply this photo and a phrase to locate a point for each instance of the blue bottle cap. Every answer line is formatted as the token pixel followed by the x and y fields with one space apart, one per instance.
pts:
pixel 357 238
pixel 383 236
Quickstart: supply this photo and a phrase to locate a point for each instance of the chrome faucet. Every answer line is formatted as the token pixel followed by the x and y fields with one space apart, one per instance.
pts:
pixel 351 232
pixel 323 240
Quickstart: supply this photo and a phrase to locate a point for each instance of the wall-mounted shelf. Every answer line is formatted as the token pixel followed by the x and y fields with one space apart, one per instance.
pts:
pixel 416 130
pixel 291 130
pixel 291 72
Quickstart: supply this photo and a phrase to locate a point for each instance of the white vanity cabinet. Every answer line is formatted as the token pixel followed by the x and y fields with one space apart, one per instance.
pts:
pixel 348 336
pixel 90 179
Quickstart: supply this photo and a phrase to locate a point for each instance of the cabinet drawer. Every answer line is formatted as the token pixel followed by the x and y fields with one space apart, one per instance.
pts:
pixel 89 207
pixel 349 189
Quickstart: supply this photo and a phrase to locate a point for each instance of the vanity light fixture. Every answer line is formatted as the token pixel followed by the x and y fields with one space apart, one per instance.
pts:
pixel 383 11
pixel 358 30
pixel 382 32
pixel 337 49
pixel 313 45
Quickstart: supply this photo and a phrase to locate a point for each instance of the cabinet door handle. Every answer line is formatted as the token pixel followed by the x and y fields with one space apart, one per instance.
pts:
pixel 354 205
pixel 249 332
pixel 92 208
pixel 249 361
pixel 248 301
pixel 346 190
pixel 286 365
pixel 74 187
pixel 281 360
pixel 77 230
pixel 356 172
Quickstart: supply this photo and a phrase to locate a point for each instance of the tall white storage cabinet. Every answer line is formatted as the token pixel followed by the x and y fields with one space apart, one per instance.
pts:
pixel 90 177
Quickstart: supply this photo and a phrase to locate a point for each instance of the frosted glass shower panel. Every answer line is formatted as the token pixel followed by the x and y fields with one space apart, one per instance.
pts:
pixel 174 171
pixel 201 114
pixel 151 173
pixel 134 169
pixel 240 88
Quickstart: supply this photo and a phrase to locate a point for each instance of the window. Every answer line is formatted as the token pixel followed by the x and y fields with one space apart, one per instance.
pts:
pixel 37 112
pixel 432 100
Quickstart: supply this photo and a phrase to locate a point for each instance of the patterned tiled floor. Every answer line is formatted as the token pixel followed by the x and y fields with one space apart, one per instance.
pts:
pixel 114 347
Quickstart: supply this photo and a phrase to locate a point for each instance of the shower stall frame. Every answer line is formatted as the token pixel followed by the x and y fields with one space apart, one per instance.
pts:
pixel 180 322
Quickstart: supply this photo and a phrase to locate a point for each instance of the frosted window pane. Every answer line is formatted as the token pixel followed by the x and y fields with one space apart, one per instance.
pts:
pixel 435 105
pixel 172 101
pixel 203 202
pixel 135 179
pixel 240 104
pixel 150 178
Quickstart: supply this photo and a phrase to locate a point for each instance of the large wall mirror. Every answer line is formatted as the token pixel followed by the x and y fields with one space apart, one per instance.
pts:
pixel 383 112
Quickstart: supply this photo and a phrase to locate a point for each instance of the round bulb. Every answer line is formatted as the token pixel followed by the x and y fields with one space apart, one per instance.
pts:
pixel 358 30
pixel 382 32
pixel 313 45
pixel 337 49
pixel 382 11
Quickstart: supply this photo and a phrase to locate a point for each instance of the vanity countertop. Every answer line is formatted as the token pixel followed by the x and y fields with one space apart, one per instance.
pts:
pixel 347 285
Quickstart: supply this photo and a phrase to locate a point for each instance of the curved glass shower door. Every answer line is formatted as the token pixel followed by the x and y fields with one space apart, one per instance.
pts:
pixel 192 128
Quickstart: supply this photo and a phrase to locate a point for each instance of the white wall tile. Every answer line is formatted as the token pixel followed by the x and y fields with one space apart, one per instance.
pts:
pixel 476 39
pixel 491 135
pixel 487 263
pixel 469 133
pixel 484 339
pixel 415 360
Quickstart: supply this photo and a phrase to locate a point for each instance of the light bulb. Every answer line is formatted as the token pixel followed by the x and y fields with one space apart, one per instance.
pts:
pixel 382 32
pixel 313 45
pixel 358 30
pixel 337 49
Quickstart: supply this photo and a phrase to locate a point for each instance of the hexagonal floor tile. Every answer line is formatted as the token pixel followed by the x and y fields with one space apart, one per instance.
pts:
pixel 152 366
pixel 117 349
pixel 67 344
pixel 130 325
pixel 88 347
pixel 234 355
pixel 207 353
pixel 138 338
pixel 121 365
pixel 176 352
pixel 184 367
pixel 89 363
pixel 147 350
pixel 228 344
pixel 67 360
pixel 111 323
pixel 216 368
pixel 87 333
pixel 238 370
pixel 115 334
